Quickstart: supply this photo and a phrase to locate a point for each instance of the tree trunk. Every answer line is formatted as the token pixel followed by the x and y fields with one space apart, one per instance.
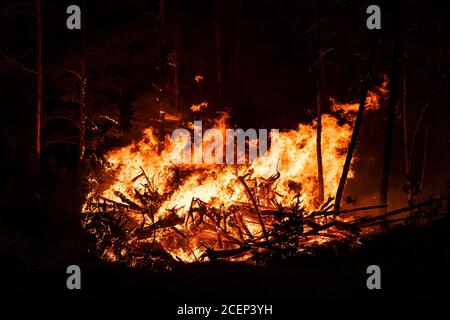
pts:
pixel 319 94
pixel 405 119
pixel 237 55
pixel 39 78
pixel 162 41
pixel 319 144
pixel 83 84
pixel 351 147
pixel 176 80
pixel 404 97
pixel 424 160
pixel 340 46
pixel 176 59
pixel 384 188
pixel 218 53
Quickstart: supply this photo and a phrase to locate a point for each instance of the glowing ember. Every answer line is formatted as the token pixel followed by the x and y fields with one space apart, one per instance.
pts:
pixel 199 107
pixel 198 78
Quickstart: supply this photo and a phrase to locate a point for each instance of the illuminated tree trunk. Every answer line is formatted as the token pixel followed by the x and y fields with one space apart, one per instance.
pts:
pixel 319 102
pixel 351 147
pixel 39 78
pixel 319 145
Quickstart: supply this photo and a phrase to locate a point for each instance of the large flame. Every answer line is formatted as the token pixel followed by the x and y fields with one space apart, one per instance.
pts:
pixel 287 170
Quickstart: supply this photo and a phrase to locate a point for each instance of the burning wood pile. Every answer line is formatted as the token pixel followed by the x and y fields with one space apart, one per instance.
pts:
pixel 144 210
pixel 128 231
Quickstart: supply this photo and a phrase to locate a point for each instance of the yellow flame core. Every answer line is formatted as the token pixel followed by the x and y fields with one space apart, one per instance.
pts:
pixel 293 156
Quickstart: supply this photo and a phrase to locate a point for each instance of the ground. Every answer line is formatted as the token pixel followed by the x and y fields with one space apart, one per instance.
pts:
pixel 414 261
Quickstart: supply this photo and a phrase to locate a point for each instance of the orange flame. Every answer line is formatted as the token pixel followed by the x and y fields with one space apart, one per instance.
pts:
pixel 292 155
pixel 199 107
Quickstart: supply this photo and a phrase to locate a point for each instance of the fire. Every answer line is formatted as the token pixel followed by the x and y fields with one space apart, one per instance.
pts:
pixel 209 206
pixel 199 107
pixel 373 101
pixel 198 78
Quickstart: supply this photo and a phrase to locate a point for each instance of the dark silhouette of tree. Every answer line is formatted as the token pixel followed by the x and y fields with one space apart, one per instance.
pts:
pixel 237 54
pixel 39 71
pixel 162 40
pixel 393 84
pixel 83 84
pixel 351 147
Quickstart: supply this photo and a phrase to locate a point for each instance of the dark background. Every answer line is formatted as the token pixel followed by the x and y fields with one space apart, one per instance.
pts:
pixel 269 56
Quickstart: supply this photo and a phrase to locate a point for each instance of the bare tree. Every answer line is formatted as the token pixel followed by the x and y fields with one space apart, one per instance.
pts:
pixel 413 186
pixel 351 147
pixel 404 101
pixel 393 84
pixel 176 74
pixel 237 54
pixel 81 80
pixel 83 84
pixel 319 102
pixel 424 160
pixel 163 52
pixel 39 77
pixel 162 39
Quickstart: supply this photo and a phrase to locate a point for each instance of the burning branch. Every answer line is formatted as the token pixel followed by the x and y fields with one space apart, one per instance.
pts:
pixel 255 205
